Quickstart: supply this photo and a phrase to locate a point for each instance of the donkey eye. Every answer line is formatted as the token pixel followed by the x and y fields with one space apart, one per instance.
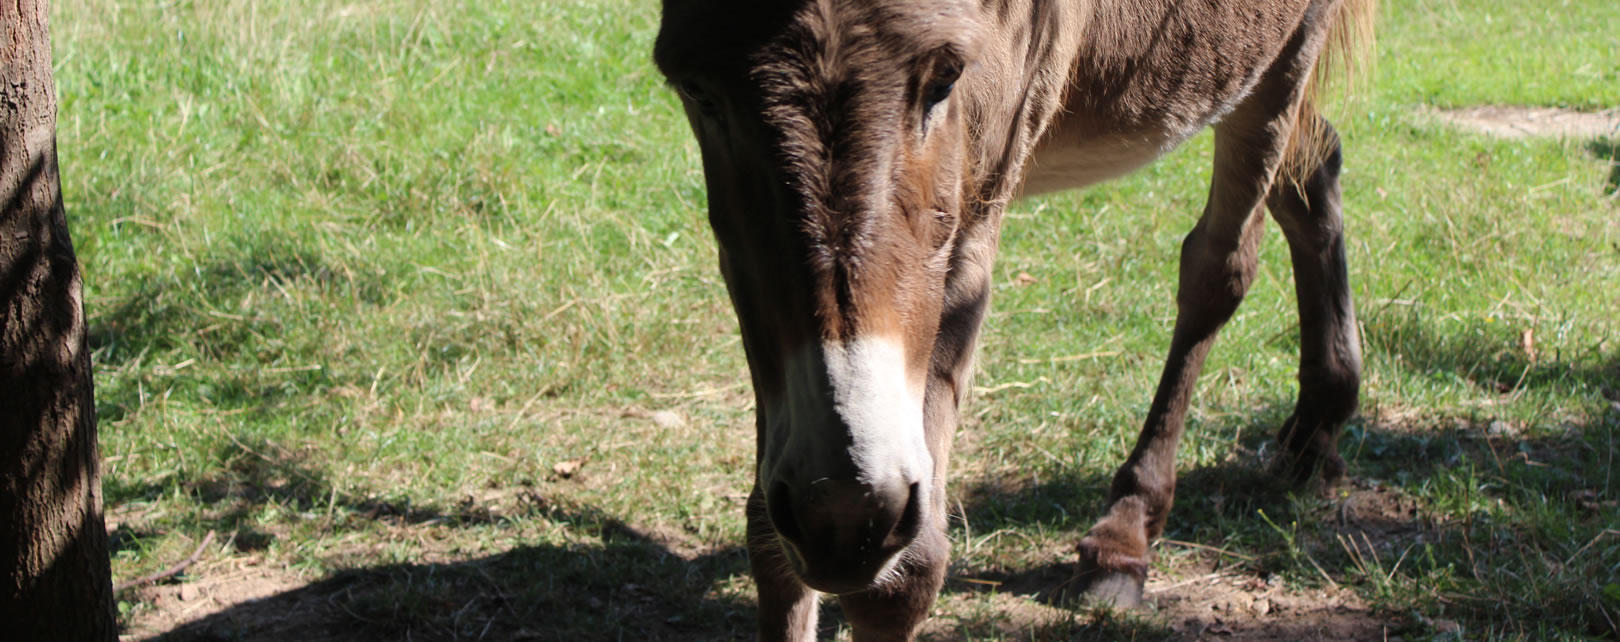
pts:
pixel 936 93
pixel 947 69
pixel 698 98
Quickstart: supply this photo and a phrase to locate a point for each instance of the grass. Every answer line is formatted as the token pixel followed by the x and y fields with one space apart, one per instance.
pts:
pixel 365 280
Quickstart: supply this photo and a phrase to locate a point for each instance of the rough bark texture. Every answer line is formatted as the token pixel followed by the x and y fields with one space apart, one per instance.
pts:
pixel 54 579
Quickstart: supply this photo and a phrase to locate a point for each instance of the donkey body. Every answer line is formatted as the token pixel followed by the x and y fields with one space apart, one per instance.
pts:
pixel 859 156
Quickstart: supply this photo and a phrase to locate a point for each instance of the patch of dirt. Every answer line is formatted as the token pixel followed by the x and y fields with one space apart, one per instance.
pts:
pixel 1204 601
pixel 1197 592
pixel 167 606
pixel 1207 597
pixel 1507 121
pixel 1231 606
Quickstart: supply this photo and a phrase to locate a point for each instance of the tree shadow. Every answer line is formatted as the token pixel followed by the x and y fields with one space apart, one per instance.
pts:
pixel 204 317
pixel 1492 359
pixel 629 587
pixel 257 473
pixel 1459 506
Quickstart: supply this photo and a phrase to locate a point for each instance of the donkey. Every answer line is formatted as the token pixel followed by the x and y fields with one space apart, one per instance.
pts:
pixel 859 155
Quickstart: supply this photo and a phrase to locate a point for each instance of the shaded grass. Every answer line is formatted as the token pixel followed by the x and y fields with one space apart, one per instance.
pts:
pixel 360 276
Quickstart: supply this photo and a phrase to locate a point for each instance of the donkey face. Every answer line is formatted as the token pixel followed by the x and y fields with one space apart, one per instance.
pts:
pixel 833 149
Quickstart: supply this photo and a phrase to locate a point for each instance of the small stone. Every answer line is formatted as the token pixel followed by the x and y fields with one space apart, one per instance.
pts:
pixel 668 419
pixel 568 469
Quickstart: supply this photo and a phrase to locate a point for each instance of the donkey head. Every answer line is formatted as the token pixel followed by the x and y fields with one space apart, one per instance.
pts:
pixel 834 151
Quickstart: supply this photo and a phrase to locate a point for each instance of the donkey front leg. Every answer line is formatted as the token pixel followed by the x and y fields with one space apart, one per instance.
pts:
pixel 787 608
pixel 1217 266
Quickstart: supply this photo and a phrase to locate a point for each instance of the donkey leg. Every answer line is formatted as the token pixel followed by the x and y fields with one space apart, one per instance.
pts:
pixel 1217 266
pixel 787 608
pixel 1330 351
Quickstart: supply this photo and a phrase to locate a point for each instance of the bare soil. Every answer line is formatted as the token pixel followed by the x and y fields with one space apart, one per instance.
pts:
pixel 214 589
pixel 1197 593
pixel 1509 121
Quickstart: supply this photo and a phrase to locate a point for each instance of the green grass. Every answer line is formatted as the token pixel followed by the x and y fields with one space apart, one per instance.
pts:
pixel 359 276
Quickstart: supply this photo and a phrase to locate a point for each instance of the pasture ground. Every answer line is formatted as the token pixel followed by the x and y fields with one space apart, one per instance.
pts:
pixel 413 304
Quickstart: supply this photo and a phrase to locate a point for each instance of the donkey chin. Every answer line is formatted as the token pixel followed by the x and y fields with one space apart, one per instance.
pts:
pixel 849 486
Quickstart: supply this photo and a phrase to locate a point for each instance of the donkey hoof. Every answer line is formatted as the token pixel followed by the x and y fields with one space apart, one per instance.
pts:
pixel 1303 468
pixel 1108 587
pixel 1116 589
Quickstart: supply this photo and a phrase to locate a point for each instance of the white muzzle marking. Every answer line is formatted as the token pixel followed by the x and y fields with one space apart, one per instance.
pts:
pixel 882 407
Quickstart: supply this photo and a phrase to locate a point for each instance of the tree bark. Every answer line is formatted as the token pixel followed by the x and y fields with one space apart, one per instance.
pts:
pixel 54 577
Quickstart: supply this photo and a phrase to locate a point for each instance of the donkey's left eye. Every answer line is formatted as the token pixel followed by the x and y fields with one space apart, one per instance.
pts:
pixel 937 91
pixel 946 69
pixel 699 99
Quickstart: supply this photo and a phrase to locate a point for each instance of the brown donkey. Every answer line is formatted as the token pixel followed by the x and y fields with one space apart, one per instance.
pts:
pixel 859 155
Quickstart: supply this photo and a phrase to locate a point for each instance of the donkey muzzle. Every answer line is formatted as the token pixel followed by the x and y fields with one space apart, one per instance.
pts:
pixel 842 536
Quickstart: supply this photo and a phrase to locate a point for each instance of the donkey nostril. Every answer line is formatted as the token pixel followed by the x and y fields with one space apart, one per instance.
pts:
pixel 779 506
pixel 910 522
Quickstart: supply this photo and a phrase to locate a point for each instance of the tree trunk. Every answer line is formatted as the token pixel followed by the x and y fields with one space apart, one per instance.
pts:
pixel 54 578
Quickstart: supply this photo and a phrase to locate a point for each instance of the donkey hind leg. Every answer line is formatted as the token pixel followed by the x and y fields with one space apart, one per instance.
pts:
pixel 1330 351
pixel 1217 266
pixel 787 608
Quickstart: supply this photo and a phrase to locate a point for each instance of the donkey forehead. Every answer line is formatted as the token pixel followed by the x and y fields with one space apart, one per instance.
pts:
pixel 716 36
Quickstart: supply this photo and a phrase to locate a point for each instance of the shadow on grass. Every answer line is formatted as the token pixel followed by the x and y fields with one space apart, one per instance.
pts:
pixel 259 473
pixel 1507 519
pixel 629 587
pixel 632 585
pixel 617 582
pixel 1498 530
pixel 219 316
pixel 1492 357
pixel 1505 534
pixel 1505 527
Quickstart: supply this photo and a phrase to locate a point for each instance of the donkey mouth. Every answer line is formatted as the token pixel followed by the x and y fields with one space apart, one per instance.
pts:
pixel 850 555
